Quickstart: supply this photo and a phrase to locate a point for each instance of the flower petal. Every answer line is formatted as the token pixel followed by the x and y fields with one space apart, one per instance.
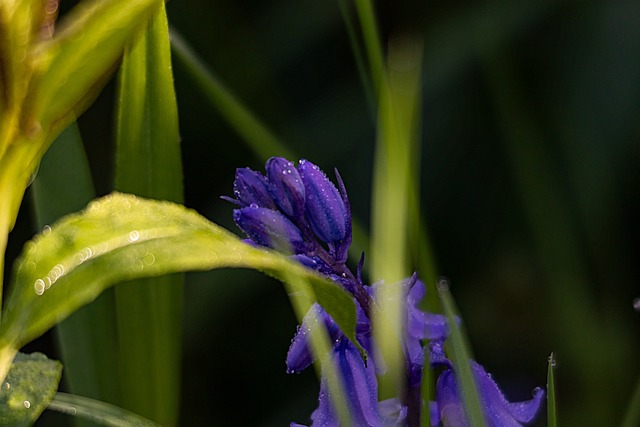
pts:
pixel 299 355
pixel 325 208
pixel 269 228
pixel 286 187
pixel 361 392
pixel 251 188
pixel 498 411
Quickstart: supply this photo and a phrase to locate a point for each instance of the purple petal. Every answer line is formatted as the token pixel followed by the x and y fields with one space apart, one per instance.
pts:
pixel 498 411
pixel 325 208
pixel 286 187
pixel 361 392
pixel 299 355
pixel 269 228
pixel 251 188
pixel 423 325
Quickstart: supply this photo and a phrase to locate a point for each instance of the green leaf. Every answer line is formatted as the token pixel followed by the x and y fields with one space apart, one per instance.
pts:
pixel 122 237
pixel 28 388
pixel 86 338
pixel 148 163
pixel 77 61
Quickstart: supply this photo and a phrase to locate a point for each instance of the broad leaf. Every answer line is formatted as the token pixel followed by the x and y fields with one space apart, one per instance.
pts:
pixel 29 387
pixel 122 237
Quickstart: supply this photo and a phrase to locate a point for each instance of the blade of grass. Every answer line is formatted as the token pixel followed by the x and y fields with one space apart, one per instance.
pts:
pixel 393 173
pixel 461 356
pixel 261 140
pixel 371 38
pixel 86 338
pixel 551 393
pixel 97 412
pixel 148 164
pixel 632 417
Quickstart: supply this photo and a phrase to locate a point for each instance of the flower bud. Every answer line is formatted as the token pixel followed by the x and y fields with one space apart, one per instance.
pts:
pixel 286 187
pixel 324 208
pixel 269 228
pixel 251 188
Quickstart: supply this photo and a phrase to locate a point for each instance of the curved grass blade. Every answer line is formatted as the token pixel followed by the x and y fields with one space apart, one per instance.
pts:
pixel 97 412
pixel 28 389
pixel 148 163
pixel 122 237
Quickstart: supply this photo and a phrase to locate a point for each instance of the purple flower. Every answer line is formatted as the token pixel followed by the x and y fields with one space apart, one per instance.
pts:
pixel 361 393
pixel 499 412
pixel 251 188
pixel 325 208
pixel 286 187
pixel 299 356
pixel 269 228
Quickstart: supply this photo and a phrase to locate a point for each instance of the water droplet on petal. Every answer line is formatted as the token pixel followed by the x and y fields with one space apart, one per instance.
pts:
pixel 46 230
pixel 27 404
pixel 6 386
pixel 134 235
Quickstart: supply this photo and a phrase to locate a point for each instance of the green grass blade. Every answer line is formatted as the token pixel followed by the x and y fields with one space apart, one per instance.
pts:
pixel 371 38
pixel 148 163
pixel 121 237
pixel 461 357
pixel 393 173
pixel 86 338
pixel 632 417
pixel 257 135
pixel 551 393
pixel 97 412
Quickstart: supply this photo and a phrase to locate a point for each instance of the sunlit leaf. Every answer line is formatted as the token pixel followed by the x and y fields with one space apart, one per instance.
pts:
pixel 76 62
pixel 28 388
pixel 122 237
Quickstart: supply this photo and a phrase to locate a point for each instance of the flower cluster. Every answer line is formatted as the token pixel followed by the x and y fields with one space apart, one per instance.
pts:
pixel 298 210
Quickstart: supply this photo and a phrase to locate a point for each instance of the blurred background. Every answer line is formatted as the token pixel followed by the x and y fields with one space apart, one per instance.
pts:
pixel 529 182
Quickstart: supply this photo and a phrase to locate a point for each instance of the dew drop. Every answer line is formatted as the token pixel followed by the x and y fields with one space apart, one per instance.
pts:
pixel 552 361
pixel 149 258
pixel 6 386
pixel 30 247
pixel 27 404
pixel 134 235
pixel 46 230
pixel 94 206
pixel 636 304
pixel 39 286
pixel 443 285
